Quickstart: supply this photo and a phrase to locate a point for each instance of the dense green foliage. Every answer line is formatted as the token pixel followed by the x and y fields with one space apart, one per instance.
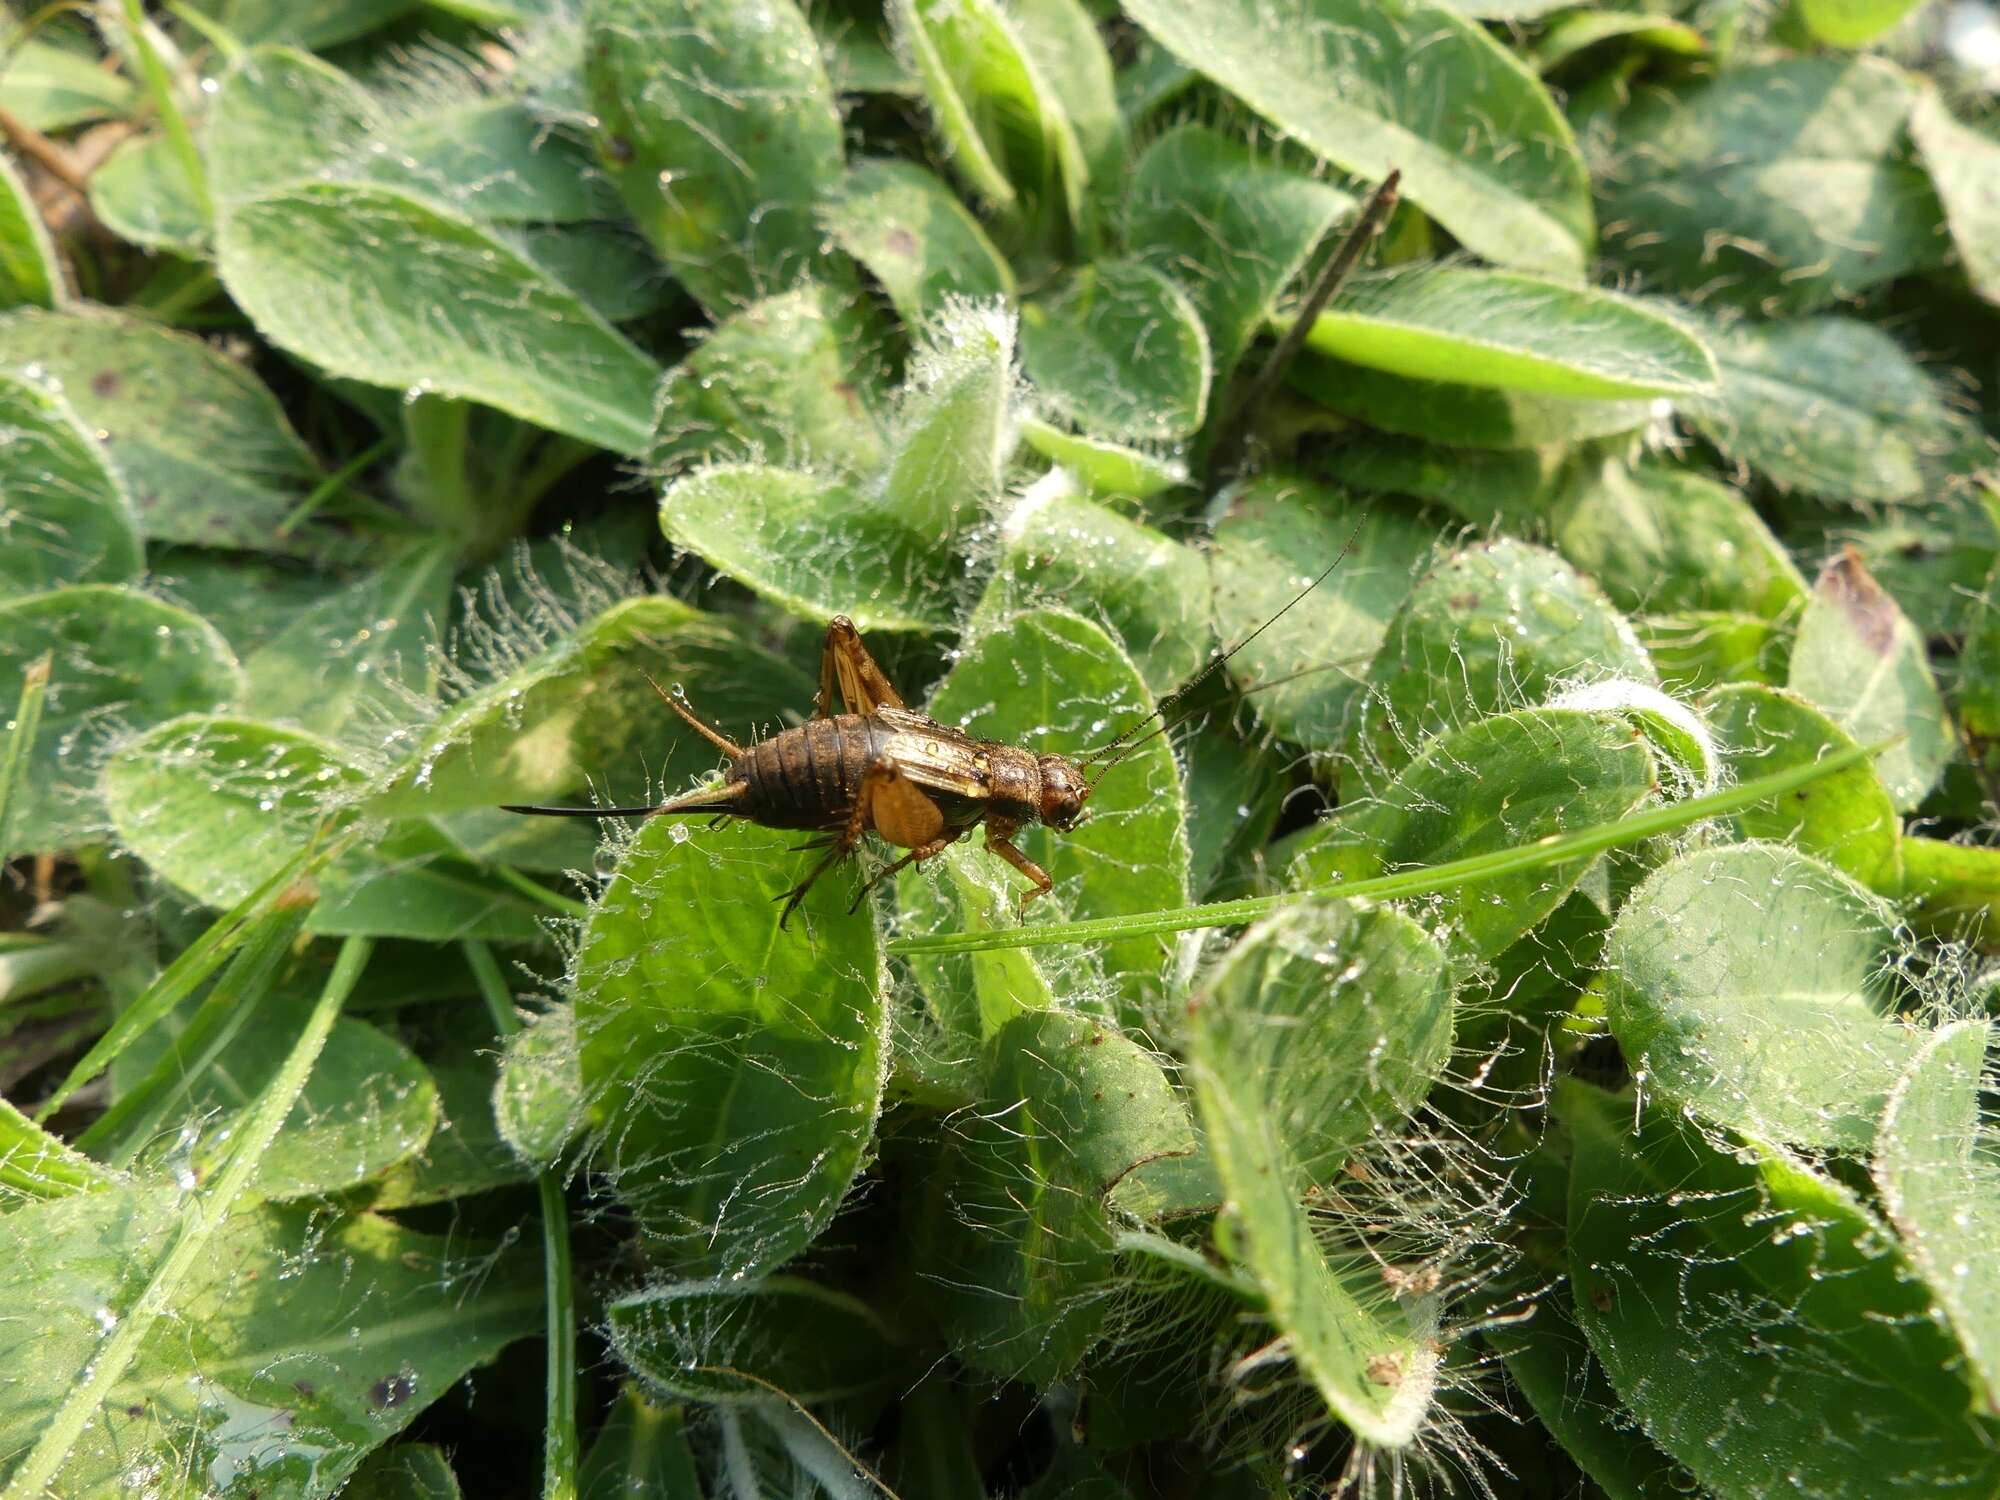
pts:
pixel 1524 1031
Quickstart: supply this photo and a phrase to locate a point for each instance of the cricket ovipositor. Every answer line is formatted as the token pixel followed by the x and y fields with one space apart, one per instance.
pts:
pixel 875 765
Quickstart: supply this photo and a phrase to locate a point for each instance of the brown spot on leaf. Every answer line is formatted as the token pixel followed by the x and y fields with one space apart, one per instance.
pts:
pixel 1385 1369
pixel 1463 603
pixel 619 149
pixel 902 242
pixel 1850 587
pixel 391 1391
pixel 305 1388
pixel 105 383
pixel 1600 1298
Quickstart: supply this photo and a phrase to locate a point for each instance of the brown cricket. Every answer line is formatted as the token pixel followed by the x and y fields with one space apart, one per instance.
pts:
pixel 879 766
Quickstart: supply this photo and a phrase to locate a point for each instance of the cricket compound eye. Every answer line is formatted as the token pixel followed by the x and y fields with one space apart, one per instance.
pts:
pixel 1063 793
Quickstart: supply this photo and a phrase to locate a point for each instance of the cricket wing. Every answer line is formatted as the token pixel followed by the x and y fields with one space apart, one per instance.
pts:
pixel 934 757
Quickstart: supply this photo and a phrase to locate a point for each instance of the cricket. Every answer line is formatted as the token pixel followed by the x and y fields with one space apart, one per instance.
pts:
pixel 866 762
pixel 878 766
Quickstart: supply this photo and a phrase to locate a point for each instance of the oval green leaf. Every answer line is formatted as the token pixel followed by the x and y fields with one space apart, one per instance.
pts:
pixel 1508 331
pixel 1416 87
pixel 717 123
pixel 121 662
pixel 1119 350
pixel 914 236
pixel 67 517
pixel 461 314
pixel 1744 983
pixel 204 448
pixel 734 1071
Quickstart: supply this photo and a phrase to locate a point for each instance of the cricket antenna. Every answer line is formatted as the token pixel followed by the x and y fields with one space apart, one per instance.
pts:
pixel 1215 665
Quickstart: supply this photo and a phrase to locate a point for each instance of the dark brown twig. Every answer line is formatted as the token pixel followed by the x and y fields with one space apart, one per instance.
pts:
pixel 1235 429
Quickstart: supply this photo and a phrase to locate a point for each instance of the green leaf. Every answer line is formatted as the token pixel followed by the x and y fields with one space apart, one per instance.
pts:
pixel 1744 983
pixel 1852 23
pixel 297 1343
pixel 283 116
pixel 1698 1272
pixel 1504 782
pixel 717 123
pixel 359 653
pixel 1500 490
pixel 1235 794
pixel 1418 88
pixel 1935 1166
pixel 786 380
pixel 1664 539
pixel 1847 819
pixel 143 194
pixel 642 1449
pixel 727 1342
pixel 1304 671
pixel 913 235
pixel 1512 332
pixel 37 1167
pixel 464 315
pixel 1150 589
pixel 1835 408
pixel 1104 468
pixel 580 712
pixel 880 550
pixel 734 1070
pixel 308 23
pixel 1460 415
pixel 51 87
pixel 1118 350
pixel 1069 1109
pixel 1698 650
pixel 368 1107
pixel 538 1097
pixel 1283 1109
pixel 407 1471
pixel 1004 131
pixel 1580 30
pixel 1858 657
pixel 1055 683
pixel 67 517
pixel 217 806
pixel 1964 164
pixel 466 1153
pixel 122 662
pixel 1230 229
pixel 204 448
pixel 1062 41
pixel 967 890
pixel 1779 188
pixel 1488 628
pixel 29 273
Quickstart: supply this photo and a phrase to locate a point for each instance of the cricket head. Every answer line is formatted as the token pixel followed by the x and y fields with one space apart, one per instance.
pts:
pixel 1064 791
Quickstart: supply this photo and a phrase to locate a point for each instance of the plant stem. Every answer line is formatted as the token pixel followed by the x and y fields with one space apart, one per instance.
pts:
pixel 201 1217
pixel 335 482
pixel 160 86
pixel 560 1444
pixel 1953 885
pixel 1554 849
pixel 437 430
pixel 27 721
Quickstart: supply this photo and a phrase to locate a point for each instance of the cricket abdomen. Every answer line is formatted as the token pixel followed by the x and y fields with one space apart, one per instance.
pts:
pixel 808 776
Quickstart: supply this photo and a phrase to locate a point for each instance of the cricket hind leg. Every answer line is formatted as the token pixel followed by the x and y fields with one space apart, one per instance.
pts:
pixel 848 673
pixel 895 807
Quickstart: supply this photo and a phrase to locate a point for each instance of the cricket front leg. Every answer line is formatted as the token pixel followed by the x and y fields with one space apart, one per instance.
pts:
pixel 849 675
pixel 999 833
pixel 916 856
